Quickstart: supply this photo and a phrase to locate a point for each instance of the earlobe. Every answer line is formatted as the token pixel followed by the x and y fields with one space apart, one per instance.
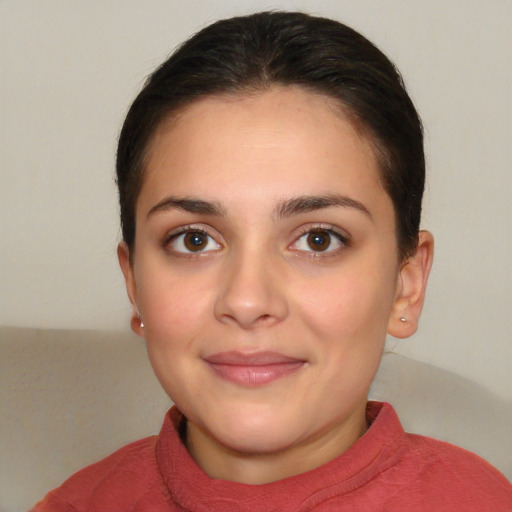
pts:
pixel 125 262
pixel 411 287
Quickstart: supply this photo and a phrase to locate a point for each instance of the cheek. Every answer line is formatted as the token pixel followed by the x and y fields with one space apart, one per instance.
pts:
pixel 176 312
pixel 175 307
pixel 354 304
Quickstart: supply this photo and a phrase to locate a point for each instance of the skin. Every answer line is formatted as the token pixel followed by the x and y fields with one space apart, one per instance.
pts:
pixel 259 284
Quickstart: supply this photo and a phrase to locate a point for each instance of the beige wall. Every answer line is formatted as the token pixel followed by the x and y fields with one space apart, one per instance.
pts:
pixel 70 69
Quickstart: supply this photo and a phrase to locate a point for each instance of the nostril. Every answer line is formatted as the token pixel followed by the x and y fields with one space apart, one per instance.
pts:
pixel 264 319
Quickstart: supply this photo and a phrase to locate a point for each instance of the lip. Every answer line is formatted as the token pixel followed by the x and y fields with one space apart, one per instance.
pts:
pixel 252 370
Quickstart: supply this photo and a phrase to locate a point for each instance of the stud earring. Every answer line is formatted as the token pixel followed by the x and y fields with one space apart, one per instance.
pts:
pixel 141 322
pixel 403 319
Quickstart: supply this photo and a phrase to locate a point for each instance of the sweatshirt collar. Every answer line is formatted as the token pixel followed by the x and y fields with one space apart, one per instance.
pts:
pixel 378 449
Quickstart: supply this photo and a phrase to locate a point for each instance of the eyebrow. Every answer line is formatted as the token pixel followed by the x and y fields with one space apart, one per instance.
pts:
pixel 187 205
pixel 286 208
pixel 304 204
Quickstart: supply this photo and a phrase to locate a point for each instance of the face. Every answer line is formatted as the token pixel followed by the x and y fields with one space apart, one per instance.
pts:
pixel 265 270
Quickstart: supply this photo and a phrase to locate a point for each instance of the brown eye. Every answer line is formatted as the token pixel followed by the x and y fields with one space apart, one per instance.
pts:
pixel 319 240
pixel 193 242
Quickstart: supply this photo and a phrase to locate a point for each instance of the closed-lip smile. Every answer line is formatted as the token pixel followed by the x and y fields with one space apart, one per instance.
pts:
pixel 253 369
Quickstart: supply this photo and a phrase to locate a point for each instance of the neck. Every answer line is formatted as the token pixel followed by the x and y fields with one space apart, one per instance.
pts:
pixel 221 462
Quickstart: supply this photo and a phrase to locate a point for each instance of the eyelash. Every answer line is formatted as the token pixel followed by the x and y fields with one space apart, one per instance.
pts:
pixel 184 230
pixel 343 240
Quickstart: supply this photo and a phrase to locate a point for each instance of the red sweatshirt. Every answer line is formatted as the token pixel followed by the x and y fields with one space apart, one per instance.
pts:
pixel 385 470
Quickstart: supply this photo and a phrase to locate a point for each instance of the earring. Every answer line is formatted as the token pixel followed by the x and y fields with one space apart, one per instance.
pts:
pixel 141 322
pixel 403 319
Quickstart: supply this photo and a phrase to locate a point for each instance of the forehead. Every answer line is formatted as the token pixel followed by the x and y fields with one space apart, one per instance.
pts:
pixel 285 141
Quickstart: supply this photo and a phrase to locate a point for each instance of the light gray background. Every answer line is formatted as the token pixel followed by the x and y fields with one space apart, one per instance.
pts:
pixel 69 70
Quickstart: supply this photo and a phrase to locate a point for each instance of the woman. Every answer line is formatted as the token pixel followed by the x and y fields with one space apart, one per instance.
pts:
pixel 270 178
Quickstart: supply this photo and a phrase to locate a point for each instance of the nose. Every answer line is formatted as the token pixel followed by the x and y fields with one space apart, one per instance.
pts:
pixel 252 293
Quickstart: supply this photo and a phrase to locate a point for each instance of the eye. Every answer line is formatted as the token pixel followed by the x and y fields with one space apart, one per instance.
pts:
pixel 192 241
pixel 320 240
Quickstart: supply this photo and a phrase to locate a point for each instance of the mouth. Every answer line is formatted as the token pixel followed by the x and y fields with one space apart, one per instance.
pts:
pixel 252 370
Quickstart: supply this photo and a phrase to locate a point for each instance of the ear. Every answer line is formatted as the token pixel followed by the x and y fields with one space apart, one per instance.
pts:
pixel 123 254
pixel 411 286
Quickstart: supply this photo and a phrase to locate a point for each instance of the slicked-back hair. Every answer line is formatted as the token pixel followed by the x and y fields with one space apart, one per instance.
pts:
pixel 250 54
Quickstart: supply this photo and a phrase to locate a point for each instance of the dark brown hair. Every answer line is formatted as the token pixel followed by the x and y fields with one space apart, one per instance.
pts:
pixel 252 53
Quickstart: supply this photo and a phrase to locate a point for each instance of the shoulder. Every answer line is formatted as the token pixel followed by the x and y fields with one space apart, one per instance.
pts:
pixel 422 474
pixel 440 454
pixel 116 481
pixel 455 475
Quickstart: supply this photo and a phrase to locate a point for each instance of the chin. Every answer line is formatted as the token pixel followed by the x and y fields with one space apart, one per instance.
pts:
pixel 257 443
pixel 254 433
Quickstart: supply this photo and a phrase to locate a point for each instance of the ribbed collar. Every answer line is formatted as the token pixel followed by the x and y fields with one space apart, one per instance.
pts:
pixel 380 448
